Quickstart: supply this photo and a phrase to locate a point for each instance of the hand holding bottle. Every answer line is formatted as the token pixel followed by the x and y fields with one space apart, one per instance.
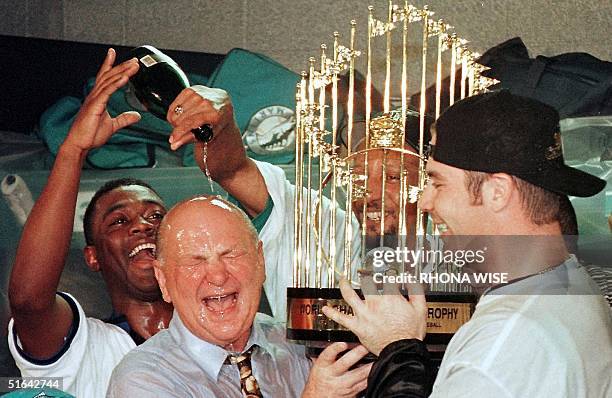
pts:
pixel 196 106
pixel 93 125
pixel 158 83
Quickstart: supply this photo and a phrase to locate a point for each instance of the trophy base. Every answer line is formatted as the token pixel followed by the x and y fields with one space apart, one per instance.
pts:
pixel 307 324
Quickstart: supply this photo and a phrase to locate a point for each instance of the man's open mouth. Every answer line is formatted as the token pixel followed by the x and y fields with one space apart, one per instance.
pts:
pixel 373 215
pixel 143 251
pixel 220 303
pixel 377 215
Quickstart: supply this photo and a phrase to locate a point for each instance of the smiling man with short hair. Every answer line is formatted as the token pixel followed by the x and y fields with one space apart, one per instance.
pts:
pixel 496 176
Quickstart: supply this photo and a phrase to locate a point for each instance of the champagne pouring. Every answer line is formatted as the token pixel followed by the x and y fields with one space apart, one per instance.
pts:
pixel 158 82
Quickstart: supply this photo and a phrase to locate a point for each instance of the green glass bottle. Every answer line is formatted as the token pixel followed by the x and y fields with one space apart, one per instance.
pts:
pixel 158 82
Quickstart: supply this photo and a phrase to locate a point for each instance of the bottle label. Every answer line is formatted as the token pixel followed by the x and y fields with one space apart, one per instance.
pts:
pixel 148 61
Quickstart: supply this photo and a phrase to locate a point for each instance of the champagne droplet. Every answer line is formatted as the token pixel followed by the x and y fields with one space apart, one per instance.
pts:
pixel 206 170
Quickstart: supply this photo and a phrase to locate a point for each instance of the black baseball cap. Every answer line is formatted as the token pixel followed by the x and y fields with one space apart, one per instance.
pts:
pixel 499 132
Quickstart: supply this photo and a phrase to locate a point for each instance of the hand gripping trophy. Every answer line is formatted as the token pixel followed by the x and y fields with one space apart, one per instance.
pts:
pixel 358 177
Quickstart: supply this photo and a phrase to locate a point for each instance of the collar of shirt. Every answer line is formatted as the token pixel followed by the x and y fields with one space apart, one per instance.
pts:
pixel 552 281
pixel 210 357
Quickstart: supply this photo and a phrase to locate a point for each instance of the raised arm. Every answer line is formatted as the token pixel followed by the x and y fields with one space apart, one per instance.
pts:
pixel 41 318
pixel 226 157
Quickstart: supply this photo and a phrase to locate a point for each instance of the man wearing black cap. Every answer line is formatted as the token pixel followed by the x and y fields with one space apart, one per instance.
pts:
pixel 497 171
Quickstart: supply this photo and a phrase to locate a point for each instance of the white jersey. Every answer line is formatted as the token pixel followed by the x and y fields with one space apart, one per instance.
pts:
pixel 277 236
pixel 533 345
pixel 87 360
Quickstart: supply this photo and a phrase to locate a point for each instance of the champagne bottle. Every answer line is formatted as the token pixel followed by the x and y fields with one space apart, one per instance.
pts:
pixel 158 82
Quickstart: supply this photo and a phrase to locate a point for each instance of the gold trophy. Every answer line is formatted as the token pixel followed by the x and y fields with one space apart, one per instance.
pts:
pixel 363 193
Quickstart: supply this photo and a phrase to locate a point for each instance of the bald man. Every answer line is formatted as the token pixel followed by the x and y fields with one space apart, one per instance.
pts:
pixel 217 345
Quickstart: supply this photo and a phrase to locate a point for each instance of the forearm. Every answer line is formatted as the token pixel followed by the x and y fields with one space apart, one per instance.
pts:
pixel 223 158
pixel 46 236
pixel 402 370
pixel 229 166
pixel 248 187
pixel 225 154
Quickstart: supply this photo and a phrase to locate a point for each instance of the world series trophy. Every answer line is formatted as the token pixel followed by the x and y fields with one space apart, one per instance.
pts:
pixel 348 196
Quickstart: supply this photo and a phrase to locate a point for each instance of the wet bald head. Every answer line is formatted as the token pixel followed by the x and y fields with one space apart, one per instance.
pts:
pixel 200 215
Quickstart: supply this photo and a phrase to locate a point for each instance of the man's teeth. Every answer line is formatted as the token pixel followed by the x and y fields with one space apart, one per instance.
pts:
pixel 144 246
pixel 220 303
pixel 373 215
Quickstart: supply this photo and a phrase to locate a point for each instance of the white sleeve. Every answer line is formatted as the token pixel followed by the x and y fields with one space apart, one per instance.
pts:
pixel 63 364
pixel 92 349
pixel 277 253
pixel 469 381
pixel 278 234
pixel 279 227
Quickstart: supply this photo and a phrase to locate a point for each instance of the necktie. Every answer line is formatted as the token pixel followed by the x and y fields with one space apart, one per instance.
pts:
pixel 248 384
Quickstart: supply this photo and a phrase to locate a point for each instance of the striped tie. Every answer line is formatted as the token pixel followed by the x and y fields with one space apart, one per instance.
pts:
pixel 248 384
